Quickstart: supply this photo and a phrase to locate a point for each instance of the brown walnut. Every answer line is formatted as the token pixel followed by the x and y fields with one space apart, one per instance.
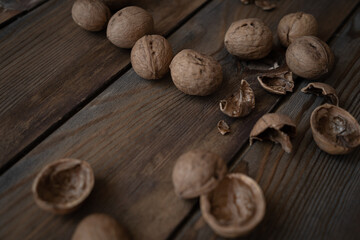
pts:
pixel 128 25
pixel 278 80
pixel 249 39
pixel 195 74
pixel 296 25
pixel 92 15
pixel 61 186
pixel 241 103
pixel 334 129
pixel 275 127
pixel 197 172
pixel 234 207
pixel 151 56
pixel 323 89
pixel 309 57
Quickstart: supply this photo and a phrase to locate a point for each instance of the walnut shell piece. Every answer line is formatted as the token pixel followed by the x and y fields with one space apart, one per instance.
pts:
pixel 92 15
pixel 335 130
pixel 241 103
pixel 61 186
pixel 323 89
pixel 99 226
pixel 275 127
pixel 128 25
pixel 309 57
pixel 265 5
pixel 296 25
pixel 235 207
pixel 151 56
pixel 223 127
pixel 249 39
pixel 197 172
pixel 278 81
pixel 195 74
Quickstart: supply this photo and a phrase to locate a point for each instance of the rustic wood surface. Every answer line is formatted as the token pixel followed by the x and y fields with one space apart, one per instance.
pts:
pixel 134 130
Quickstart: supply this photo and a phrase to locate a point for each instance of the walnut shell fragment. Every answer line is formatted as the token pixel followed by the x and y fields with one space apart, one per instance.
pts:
pixel 61 186
pixel 323 89
pixel 235 207
pixel 223 127
pixel 275 127
pixel 334 129
pixel 197 172
pixel 278 81
pixel 240 103
pixel 265 5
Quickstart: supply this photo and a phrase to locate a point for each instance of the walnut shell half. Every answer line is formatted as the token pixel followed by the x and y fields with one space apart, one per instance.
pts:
pixel 323 89
pixel 334 129
pixel 197 172
pixel 278 81
pixel 234 207
pixel 275 127
pixel 61 186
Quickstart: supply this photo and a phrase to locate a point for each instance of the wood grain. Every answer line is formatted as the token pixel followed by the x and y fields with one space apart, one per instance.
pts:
pixel 6 15
pixel 309 194
pixel 49 66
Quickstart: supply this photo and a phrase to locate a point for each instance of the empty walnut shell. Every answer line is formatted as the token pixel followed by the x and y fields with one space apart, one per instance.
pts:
pixel 92 15
pixel 278 81
pixel 323 89
pixel 296 25
pixel 195 74
pixel 309 57
pixel 249 39
pixel 151 56
pixel 100 227
pixel 275 127
pixel 334 129
pixel 61 186
pixel 128 25
pixel 240 103
pixel 197 172
pixel 234 207
pixel 223 127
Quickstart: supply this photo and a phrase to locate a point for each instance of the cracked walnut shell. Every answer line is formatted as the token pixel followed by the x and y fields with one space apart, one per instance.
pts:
pixel 61 186
pixel 278 81
pixel 323 89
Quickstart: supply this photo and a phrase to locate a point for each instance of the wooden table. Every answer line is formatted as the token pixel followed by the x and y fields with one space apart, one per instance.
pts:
pixel 65 92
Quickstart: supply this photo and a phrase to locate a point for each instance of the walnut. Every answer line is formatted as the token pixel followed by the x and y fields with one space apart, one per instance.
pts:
pixel 92 15
pixel 309 57
pixel 195 74
pixel 234 207
pixel 324 89
pixel 275 127
pixel 249 39
pixel 128 25
pixel 334 129
pixel 197 172
pixel 278 81
pixel 265 5
pixel 151 56
pixel 63 185
pixel 241 103
pixel 223 127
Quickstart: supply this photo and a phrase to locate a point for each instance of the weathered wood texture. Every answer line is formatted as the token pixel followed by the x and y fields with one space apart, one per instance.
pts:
pixel 49 66
pixel 309 194
pixel 6 15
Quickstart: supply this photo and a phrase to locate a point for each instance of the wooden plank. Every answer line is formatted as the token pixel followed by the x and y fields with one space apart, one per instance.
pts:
pixel 132 133
pixel 49 66
pixel 309 194
pixel 6 15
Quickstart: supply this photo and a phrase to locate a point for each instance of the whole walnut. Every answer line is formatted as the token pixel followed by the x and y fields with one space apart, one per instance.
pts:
pixel 296 25
pixel 195 74
pixel 92 15
pixel 128 25
pixel 249 39
pixel 151 56
pixel 309 57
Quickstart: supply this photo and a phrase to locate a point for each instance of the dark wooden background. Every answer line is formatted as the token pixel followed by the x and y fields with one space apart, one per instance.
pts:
pixel 65 92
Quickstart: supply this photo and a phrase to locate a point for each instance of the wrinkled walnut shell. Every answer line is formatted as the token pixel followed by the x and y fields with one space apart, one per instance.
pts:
pixel 275 127
pixel 334 129
pixel 309 57
pixel 296 25
pixel 323 89
pixel 240 103
pixel 100 227
pixel 128 25
pixel 223 127
pixel 278 81
pixel 195 74
pixel 249 39
pixel 92 15
pixel 61 186
pixel 234 207
pixel 197 172
pixel 151 56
